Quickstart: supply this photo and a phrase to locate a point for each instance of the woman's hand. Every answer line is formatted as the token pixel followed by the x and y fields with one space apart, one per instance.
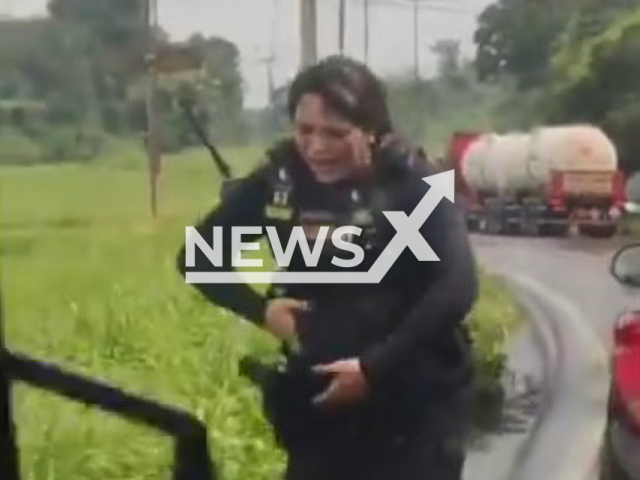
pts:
pixel 348 385
pixel 360 143
pixel 280 317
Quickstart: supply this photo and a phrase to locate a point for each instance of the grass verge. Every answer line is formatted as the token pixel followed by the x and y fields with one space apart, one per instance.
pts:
pixel 89 282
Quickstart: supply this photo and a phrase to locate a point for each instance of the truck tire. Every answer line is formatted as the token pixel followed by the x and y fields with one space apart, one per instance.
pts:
pixel 494 225
pixel 473 224
pixel 610 468
pixel 557 230
pixel 598 231
pixel 530 228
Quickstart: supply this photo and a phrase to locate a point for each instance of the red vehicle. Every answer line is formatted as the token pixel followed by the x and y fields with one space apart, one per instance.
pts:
pixel 621 447
pixel 587 192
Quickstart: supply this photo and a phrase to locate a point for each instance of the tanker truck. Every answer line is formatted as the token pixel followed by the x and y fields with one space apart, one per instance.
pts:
pixel 539 182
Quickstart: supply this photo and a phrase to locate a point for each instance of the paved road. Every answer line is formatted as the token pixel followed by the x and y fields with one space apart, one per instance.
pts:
pixel 565 284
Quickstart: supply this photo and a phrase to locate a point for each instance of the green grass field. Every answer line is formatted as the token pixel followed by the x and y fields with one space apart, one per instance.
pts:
pixel 89 281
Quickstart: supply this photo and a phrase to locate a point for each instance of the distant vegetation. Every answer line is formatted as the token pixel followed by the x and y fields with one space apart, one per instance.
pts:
pixel 75 79
pixel 89 281
pixel 537 62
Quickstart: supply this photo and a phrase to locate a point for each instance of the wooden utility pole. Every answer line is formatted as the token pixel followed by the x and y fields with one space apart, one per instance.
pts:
pixel 308 33
pixel 268 63
pixel 366 32
pixel 416 42
pixel 341 22
pixel 152 139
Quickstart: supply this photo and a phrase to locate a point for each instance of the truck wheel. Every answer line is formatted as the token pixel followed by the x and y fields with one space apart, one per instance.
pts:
pixel 610 468
pixel 559 230
pixel 531 229
pixel 598 231
pixel 493 226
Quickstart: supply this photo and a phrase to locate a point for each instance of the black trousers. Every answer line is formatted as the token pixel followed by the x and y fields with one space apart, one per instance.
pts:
pixel 422 459
pixel 435 450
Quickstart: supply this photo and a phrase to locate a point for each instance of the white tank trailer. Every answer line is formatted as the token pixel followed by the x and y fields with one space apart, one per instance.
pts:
pixel 545 179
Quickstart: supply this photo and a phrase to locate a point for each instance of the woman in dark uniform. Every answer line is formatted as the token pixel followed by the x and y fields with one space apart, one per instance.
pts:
pixel 383 368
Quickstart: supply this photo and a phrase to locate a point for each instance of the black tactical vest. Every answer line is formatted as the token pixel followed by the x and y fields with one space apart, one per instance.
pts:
pixel 293 201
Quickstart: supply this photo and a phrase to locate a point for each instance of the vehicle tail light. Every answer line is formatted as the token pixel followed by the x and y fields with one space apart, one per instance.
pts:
pixel 627 329
pixel 619 195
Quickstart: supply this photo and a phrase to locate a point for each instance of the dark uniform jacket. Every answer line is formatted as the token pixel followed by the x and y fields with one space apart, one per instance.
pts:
pixel 407 329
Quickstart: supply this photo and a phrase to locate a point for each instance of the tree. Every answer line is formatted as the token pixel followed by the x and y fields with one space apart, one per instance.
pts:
pixel 572 61
pixel 597 81
pixel 108 40
pixel 516 37
pixel 519 37
pixel 220 86
pixel 449 63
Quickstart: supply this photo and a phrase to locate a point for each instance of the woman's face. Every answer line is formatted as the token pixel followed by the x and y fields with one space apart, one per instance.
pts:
pixel 331 146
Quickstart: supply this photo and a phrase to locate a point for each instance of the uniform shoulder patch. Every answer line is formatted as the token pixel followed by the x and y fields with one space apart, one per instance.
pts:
pixel 278 212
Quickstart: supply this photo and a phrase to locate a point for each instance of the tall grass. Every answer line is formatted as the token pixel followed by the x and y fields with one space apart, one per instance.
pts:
pixel 89 281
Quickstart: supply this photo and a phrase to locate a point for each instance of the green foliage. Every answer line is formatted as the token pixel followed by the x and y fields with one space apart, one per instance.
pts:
pixel 449 62
pixel 410 101
pixel 495 316
pixel 67 143
pixel 571 61
pixel 516 37
pixel 18 148
pixel 85 62
pixel 597 81
pixel 219 89
pixel 578 56
pixel 89 281
pixel 114 23
pixel 57 144
pixel 428 111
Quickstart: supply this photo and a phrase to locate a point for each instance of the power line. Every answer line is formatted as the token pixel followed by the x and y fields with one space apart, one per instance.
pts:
pixel 425 5
pixel 308 33
pixel 417 6
pixel 366 32
pixel 416 58
pixel 342 26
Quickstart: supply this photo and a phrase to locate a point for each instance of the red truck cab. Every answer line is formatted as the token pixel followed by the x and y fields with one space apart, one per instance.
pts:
pixel 460 142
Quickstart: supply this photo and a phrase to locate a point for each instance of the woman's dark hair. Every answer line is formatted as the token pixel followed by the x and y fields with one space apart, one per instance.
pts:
pixel 349 88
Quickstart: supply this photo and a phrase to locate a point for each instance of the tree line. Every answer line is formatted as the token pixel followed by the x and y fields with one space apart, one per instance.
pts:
pixel 78 75
pixel 566 61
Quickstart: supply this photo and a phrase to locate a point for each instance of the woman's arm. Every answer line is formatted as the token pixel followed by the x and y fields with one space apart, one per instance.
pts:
pixel 450 295
pixel 244 206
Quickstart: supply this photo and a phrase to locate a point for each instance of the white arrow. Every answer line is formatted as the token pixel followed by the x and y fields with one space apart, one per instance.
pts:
pixel 408 235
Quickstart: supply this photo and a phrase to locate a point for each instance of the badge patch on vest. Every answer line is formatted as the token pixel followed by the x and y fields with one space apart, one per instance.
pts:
pixel 279 208
pixel 278 212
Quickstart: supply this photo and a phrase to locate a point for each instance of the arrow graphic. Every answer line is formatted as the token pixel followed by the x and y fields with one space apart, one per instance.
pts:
pixel 407 236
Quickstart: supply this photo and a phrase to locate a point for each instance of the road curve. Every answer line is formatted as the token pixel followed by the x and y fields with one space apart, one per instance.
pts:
pixel 565 285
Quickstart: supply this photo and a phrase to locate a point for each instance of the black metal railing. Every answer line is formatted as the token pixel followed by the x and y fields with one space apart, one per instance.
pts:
pixel 191 454
pixel 192 461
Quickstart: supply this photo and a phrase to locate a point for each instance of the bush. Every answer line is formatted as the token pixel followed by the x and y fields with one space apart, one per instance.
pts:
pixel 63 144
pixel 494 317
pixel 18 148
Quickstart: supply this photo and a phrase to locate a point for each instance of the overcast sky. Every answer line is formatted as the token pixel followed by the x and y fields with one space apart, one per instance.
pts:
pixel 259 27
